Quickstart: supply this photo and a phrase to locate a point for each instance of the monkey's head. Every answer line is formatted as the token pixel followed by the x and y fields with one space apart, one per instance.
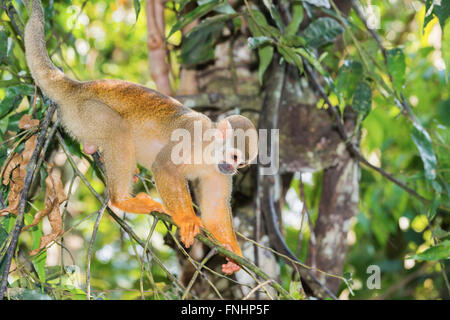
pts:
pixel 239 140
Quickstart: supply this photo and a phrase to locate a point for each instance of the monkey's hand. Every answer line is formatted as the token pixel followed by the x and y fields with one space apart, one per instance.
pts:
pixel 189 228
pixel 142 203
pixel 231 267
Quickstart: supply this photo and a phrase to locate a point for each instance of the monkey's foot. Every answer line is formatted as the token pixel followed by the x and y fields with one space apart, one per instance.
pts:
pixel 231 267
pixel 189 228
pixel 142 203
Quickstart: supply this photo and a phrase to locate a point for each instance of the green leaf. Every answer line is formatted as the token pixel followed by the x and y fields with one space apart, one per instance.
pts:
pixel 311 59
pixel 265 57
pixel 257 42
pixel 3 126
pixel 292 56
pixel 198 45
pixel 319 3
pixel 432 210
pixel 258 25
pixel 423 143
pixel 198 12
pixel 396 65
pixel 443 111
pixel 137 7
pixel 322 31
pixel 442 12
pixel 297 18
pixel 349 75
pixel 3 237
pixel 274 14
pixel 440 251
pixel 3 45
pixel 362 99
pixel 293 41
pixel 39 265
pixel 428 15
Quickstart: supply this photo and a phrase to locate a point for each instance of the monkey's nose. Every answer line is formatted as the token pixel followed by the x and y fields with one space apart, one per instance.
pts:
pixel 226 168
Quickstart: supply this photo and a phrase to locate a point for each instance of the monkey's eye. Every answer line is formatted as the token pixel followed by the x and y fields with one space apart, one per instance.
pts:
pixel 235 158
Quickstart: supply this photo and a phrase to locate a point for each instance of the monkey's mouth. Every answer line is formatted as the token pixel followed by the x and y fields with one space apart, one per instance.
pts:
pixel 226 168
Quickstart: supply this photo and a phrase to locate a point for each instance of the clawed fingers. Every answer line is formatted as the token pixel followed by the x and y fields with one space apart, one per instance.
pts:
pixel 188 231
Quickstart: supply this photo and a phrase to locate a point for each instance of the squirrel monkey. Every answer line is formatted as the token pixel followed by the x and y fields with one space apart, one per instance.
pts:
pixel 129 123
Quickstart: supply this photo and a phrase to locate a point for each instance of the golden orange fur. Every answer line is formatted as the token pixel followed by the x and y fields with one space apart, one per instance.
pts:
pixel 130 123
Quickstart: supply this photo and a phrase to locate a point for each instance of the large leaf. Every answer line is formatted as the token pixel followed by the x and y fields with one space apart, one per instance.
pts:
pixel 362 99
pixel 198 45
pixel 38 260
pixel 297 18
pixel 265 57
pixel 438 252
pixel 322 31
pixel 349 75
pixel 423 142
pixel 396 66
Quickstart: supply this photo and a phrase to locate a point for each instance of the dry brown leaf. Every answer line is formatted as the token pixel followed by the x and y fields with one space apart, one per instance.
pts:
pixel 17 182
pixel 14 174
pixel 10 166
pixel 26 122
pixel 55 220
pixel 30 145
pixel 54 196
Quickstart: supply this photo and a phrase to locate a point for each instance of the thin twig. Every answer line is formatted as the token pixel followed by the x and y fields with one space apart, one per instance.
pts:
pixel 91 246
pixel 125 227
pixel 256 288
pixel 210 254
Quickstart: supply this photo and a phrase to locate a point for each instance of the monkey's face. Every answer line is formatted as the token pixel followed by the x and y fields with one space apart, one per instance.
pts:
pixel 239 144
pixel 232 160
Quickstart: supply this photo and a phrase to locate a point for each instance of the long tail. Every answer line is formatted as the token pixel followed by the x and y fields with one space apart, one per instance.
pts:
pixel 50 79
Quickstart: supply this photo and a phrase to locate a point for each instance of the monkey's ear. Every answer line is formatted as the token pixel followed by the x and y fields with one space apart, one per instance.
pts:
pixel 225 129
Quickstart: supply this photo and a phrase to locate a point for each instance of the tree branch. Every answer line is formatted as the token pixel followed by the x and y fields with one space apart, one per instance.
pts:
pixel 31 167
pixel 157 53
